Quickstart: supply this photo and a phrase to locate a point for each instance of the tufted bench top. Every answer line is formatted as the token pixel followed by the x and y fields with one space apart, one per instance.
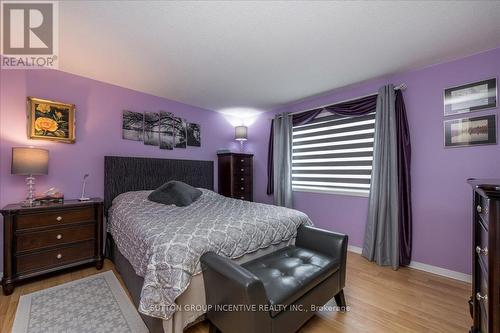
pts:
pixel 291 272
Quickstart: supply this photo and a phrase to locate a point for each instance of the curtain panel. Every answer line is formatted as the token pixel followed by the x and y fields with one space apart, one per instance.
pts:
pixel 381 241
pixel 404 180
pixel 282 160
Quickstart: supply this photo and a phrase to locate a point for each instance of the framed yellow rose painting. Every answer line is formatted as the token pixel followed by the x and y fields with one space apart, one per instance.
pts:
pixel 51 120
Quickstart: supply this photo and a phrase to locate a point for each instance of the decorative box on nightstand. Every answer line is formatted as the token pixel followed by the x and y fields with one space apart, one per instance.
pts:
pixel 49 238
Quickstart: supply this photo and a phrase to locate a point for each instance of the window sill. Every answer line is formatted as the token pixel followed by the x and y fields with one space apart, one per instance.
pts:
pixel 342 193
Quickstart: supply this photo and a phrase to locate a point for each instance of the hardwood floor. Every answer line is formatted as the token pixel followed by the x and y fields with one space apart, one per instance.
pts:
pixel 381 300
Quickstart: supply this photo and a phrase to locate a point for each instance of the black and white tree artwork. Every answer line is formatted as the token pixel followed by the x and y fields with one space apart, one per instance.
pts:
pixel 193 135
pixel 166 130
pixel 180 132
pixel 132 126
pixel 152 128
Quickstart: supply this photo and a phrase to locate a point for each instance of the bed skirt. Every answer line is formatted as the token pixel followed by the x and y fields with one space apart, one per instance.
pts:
pixel 193 299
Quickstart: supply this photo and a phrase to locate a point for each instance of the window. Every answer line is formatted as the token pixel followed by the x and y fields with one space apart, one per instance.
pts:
pixel 333 154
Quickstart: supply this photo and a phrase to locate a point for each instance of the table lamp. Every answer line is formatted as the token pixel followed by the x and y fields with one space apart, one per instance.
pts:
pixel 29 161
pixel 241 135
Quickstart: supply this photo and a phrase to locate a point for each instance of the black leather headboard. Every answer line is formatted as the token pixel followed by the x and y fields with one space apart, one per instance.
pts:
pixel 124 174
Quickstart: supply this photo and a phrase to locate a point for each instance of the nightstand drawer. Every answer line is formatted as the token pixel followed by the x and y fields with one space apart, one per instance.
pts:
pixel 56 257
pixel 62 217
pixel 38 240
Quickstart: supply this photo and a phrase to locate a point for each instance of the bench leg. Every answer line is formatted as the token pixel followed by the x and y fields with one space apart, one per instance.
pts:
pixel 213 328
pixel 340 299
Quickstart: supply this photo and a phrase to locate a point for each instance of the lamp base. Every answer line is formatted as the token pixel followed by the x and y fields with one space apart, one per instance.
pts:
pixel 30 203
pixel 30 199
pixel 242 145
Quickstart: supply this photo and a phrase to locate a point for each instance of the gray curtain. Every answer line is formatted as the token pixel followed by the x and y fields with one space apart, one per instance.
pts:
pixel 282 160
pixel 381 243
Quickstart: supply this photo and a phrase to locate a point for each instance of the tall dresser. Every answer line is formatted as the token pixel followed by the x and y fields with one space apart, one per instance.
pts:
pixel 236 175
pixel 485 299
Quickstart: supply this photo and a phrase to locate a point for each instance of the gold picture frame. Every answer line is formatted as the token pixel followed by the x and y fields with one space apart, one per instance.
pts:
pixel 51 120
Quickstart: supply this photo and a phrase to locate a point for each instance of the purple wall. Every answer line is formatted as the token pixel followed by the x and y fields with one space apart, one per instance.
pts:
pixel 98 130
pixel 441 198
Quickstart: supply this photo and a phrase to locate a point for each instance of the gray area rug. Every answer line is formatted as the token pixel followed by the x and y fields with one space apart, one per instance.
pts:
pixel 93 304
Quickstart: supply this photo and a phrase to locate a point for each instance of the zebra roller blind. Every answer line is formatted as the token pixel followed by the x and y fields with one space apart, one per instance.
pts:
pixel 333 154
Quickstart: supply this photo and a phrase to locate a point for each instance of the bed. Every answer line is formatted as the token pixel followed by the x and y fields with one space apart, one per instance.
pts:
pixel 156 248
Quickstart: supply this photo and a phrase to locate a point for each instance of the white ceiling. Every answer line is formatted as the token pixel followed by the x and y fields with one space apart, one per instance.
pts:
pixel 263 54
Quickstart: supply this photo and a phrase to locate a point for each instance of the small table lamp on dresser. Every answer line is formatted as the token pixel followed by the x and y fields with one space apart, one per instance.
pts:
pixel 30 162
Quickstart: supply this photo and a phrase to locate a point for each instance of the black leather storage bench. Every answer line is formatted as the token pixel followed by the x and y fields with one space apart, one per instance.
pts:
pixel 276 292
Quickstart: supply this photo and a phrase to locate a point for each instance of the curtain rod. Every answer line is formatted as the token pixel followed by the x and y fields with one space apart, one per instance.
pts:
pixel 401 87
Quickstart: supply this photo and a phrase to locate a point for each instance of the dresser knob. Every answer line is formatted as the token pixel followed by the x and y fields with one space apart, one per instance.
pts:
pixel 242 198
pixel 242 188
pixel 242 170
pixel 59 236
pixel 242 161
pixel 482 298
pixel 484 251
pixel 59 256
pixel 59 218
pixel 479 209
pixel 242 179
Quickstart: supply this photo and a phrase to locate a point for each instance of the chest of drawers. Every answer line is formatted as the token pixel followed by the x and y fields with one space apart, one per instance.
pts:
pixel 236 175
pixel 485 298
pixel 44 239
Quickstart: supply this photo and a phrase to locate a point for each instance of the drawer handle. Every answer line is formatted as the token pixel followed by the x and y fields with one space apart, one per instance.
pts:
pixel 484 251
pixel 242 170
pixel 242 179
pixel 59 236
pixel 482 298
pixel 242 188
pixel 479 209
pixel 242 161
pixel 242 198
pixel 59 218
pixel 59 256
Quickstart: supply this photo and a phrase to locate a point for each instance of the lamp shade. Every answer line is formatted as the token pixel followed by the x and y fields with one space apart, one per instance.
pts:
pixel 29 161
pixel 240 133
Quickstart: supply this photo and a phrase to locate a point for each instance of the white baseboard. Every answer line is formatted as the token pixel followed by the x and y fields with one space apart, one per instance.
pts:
pixel 427 268
pixel 354 249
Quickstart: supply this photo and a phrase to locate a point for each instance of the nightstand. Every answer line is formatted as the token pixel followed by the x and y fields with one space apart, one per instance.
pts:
pixel 49 238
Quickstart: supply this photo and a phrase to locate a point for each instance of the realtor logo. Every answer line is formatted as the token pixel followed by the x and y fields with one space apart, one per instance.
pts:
pixel 29 34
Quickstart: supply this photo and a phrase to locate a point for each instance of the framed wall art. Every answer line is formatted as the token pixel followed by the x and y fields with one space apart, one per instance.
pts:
pixel 152 128
pixel 166 130
pixel 193 135
pixel 133 126
pixel 180 132
pixel 470 131
pixel 470 97
pixel 50 120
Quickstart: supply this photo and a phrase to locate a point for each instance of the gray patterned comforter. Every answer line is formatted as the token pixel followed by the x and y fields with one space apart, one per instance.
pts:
pixel 164 243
